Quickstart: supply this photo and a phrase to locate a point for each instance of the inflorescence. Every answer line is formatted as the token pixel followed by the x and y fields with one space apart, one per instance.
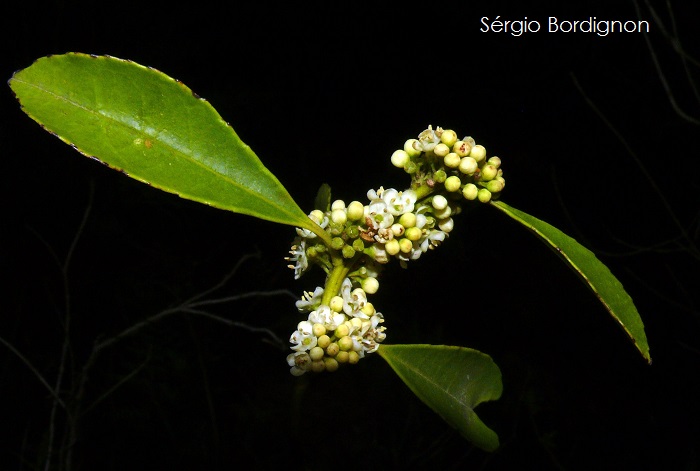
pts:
pixel 342 325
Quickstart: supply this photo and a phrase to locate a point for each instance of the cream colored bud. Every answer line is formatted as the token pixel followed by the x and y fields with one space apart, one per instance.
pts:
pixel 318 366
pixel 397 229
pixel 332 349
pixel 356 211
pixel 323 341
pixel 439 202
pixel 342 330
pixel 489 172
pixel 353 357
pixel 413 233
pixel 356 322
pixel 448 137
pixel 339 216
pixel 336 304
pixel 468 165
pixel 400 158
pixel 331 364
pixel 470 191
pixel 441 150
pixel 318 329
pixel 317 214
pixel 407 220
pixel 484 195
pixel 452 160
pixel 342 357
pixel 495 161
pixel 478 153
pixel 392 247
pixel 453 183
pixel 370 284
pixel 368 309
pixel 462 148
pixel 338 204
pixel 410 149
pixel 345 344
pixel 443 213
pixel 446 225
pixel 495 186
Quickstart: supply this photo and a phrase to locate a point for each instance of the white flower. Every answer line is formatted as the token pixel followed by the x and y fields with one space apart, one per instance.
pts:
pixel 327 317
pixel 353 300
pixel 310 301
pixel 379 215
pixel 399 202
pixel 434 238
pixel 298 255
pixel 428 139
pixel 319 218
pixel 303 338
pixel 300 363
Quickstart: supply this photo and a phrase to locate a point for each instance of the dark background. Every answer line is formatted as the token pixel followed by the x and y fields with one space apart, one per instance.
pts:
pixel 325 93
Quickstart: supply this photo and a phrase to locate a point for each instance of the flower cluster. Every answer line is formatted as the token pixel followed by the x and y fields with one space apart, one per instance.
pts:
pixel 342 331
pixel 342 326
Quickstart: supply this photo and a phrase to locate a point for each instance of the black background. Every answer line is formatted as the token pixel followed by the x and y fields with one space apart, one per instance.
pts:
pixel 324 93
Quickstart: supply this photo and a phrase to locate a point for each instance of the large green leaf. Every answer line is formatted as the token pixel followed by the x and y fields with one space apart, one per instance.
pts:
pixel 452 381
pixel 592 271
pixel 153 128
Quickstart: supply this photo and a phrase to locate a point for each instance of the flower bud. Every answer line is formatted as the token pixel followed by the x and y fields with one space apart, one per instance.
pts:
pixel 318 329
pixel 358 245
pixel 337 243
pixel 400 158
pixel 452 160
pixel 368 309
pixel 406 245
pixel 345 344
pixel 446 225
pixel 353 357
pixel 484 195
pixel 443 213
pixel 462 148
pixel 370 284
pixel 453 183
pixel 478 153
pixel 342 357
pixel 342 330
pixel 316 353
pixel 356 211
pixel 318 366
pixel 441 150
pixel 392 247
pixel 495 186
pixel 336 304
pixel 332 349
pixel 489 172
pixel 331 364
pixel 339 216
pixel 348 252
pixel 439 176
pixel 413 233
pixel 407 220
pixel 439 202
pixel 468 165
pixel 324 340
pixel 495 161
pixel 470 191
pixel 448 137
pixel 409 148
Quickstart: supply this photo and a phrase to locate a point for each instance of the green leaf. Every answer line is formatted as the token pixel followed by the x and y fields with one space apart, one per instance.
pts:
pixel 323 198
pixel 592 271
pixel 452 381
pixel 153 128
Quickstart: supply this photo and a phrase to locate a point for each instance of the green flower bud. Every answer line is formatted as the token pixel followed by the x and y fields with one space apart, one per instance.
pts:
pixel 489 172
pixel 352 232
pixel 337 243
pixel 439 176
pixel 462 148
pixel 318 329
pixel 452 160
pixel 409 148
pixel 358 245
pixel 316 353
pixel 353 357
pixel 336 304
pixel 331 364
pixel 407 220
pixel 495 186
pixel 413 233
pixel 448 137
pixel 318 366
pixel 478 153
pixel 317 215
pixel 411 168
pixel 368 309
pixel 323 341
pixel 470 191
pixel 370 284
pixel 453 183
pixel 484 195
pixel 342 357
pixel 495 161
pixel 400 158
pixel 356 211
pixel 348 252
pixel 468 165
pixel 441 150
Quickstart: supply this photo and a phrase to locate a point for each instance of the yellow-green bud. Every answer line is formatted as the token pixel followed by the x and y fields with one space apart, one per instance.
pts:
pixel 316 353
pixel 411 168
pixel 448 137
pixel 342 330
pixel 337 243
pixel 467 165
pixel 368 309
pixel 470 191
pixel 392 247
pixel 317 215
pixel 348 252
pixel 439 176
pixel 336 304
pixel 332 349
pixel 353 357
pixel 400 158
pixel 370 284
pixel 323 341
pixel 397 229
pixel 352 232
pixel 478 153
pixel 495 161
pixel 318 366
pixel 406 245
pixel 407 220
pixel 342 357
pixel 356 211
pixel 358 245
pixel 453 183
pixel 318 329
pixel 356 322
pixel 345 344
pixel 441 150
pixel 489 172
pixel 452 160
pixel 338 204
pixel 410 149
pixel 331 364
pixel 413 233
pixel 339 216
pixel 484 195
pixel 443 213
pixel 446 225
pixel 494 186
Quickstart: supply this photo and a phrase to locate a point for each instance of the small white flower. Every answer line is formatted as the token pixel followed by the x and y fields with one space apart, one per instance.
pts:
pixel 327 317
pixel 310 301
pixel 399 202
pixel 300 363
pixel 319 218
pixel 434 238
pixel 303 338
pixel 428 139
pixel 298 255
pixel 379 215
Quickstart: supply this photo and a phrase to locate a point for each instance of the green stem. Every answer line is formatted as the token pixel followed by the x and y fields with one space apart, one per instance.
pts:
pixel 341 268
